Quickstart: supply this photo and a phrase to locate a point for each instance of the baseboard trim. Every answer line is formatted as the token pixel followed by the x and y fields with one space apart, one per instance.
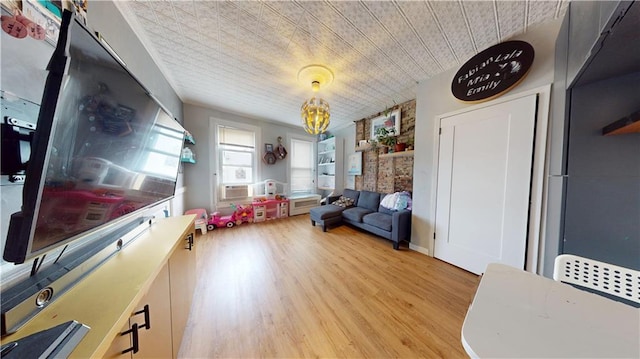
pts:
pixel 419 249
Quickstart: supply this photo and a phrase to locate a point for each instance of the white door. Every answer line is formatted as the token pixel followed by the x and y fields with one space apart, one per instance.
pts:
pixel 484 181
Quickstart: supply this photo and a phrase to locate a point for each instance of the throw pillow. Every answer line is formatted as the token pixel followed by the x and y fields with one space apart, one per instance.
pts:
pixel 397 201
pixel 389 201
pixel 404 201
pixel 343 202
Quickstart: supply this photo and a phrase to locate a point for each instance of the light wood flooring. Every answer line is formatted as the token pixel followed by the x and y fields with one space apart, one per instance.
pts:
pixel 285 289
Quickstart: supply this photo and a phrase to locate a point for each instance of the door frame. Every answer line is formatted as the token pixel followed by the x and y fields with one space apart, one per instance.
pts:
pixel 537 206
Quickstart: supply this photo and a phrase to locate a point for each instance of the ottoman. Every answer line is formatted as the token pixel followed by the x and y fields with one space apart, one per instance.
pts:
pixel 326 215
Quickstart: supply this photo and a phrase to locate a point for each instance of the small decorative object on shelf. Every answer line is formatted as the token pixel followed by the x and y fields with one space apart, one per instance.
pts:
pixel 410 144
pixel 187 156
pixel 365 145
pixel 281 152
pixel 188 138
pixel 269 157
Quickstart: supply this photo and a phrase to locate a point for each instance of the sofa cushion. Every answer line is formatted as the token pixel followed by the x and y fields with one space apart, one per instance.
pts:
pixel 383 209
pixel 355 214
pixel 379 220
pixel 369 200
pixel 328 211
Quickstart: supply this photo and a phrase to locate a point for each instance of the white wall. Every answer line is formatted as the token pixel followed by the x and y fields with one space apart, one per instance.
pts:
pixel 347 137
pixel 434 98
pixel 198 121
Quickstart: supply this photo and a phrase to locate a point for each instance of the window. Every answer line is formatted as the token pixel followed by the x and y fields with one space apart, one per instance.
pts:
pixel 237 150
pixel 302 166
pixel 158 156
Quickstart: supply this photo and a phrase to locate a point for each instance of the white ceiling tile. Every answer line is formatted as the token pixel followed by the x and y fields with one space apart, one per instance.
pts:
pixel 289 9
pixel 482 20
pixel 539 10
pixel 435 53
pixel 243 57
pixel 511 18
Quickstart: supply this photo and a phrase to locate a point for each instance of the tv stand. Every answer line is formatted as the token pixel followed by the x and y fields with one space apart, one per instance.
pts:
pixel 107 298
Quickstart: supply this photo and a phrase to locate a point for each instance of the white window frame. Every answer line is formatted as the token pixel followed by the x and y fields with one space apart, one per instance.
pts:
pixel 216 163
pixel 313 140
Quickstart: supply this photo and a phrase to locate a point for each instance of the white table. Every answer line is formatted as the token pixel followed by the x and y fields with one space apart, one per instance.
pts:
pixel 517 314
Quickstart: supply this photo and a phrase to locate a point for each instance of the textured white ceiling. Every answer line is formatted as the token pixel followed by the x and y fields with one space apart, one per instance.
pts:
pixel 243 56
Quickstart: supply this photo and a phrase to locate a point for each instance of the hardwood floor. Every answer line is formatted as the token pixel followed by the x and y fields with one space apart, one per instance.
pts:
pixel 285 289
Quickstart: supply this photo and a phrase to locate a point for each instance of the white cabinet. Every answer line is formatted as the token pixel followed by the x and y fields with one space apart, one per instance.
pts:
pixel 155 329
pixel 151 335
pixel 155 271
pixel 182 282
pixel 326 158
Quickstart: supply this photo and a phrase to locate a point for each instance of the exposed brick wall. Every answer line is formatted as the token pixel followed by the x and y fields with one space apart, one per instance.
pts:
pixel 389 174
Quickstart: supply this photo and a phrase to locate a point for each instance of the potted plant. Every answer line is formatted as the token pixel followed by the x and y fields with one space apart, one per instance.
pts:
pixel 386 137
pixel 399 147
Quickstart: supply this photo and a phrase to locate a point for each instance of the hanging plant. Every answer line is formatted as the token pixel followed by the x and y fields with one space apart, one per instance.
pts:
pixel 387 111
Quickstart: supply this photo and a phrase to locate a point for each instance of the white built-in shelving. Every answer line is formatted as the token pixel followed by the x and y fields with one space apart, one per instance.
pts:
pixel 327 164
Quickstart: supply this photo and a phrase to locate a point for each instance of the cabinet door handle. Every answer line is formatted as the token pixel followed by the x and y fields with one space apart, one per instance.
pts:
pixel 189 241
pixel 134 338
pixel 147 317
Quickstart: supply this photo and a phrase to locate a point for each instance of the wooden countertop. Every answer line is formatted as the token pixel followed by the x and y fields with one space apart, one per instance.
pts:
pixel 105 299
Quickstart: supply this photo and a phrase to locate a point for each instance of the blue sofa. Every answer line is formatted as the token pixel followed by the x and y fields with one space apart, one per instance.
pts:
pixel 366 213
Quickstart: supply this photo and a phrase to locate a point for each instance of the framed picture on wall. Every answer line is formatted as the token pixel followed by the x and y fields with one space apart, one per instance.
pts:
pixel 392 120
pixel 350 182
pixel 355 164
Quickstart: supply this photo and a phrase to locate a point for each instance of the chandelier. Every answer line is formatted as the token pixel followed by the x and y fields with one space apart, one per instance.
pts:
pixel 315 112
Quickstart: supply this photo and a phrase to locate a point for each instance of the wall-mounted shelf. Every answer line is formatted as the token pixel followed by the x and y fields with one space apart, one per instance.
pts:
pixel 397 154
pixel 188 139
pixel 364 148
pixel 187 154
pixel 629 124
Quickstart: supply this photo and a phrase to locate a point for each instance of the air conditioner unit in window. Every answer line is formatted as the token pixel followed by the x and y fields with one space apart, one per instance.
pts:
pixel 235 191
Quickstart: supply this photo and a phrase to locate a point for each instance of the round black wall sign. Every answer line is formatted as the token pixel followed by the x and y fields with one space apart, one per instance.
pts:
pixel 493 71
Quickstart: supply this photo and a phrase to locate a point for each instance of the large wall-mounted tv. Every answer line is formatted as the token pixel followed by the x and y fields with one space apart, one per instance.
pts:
pixel 104 148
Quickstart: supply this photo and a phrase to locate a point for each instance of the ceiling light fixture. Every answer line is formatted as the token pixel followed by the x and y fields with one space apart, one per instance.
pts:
pixel 315 112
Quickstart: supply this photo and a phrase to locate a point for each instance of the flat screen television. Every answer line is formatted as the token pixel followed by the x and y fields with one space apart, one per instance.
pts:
pixel 104 148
